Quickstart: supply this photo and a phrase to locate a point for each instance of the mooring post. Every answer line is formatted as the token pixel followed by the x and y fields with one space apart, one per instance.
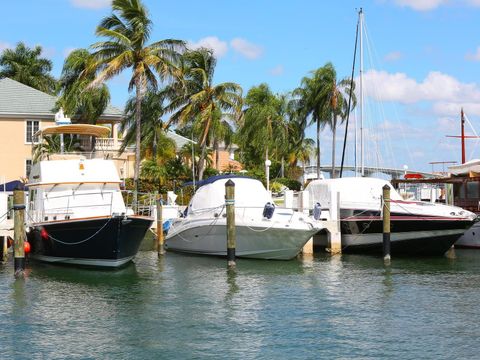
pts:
pixel 160 239
pixel 231 236
pixel 4 248
pixel 386 223
pixel 19 231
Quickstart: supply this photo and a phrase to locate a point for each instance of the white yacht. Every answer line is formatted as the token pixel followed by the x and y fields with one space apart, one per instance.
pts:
pixel 76 212
pixel 419 228
pixel 276 233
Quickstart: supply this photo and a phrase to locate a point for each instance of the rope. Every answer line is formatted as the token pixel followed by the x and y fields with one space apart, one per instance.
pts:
pixel 78 242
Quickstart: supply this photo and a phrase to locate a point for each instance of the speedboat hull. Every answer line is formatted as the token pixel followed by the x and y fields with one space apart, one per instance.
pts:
pixel 470 239
pixel 409 235
pixel 104 241
pixel 256 241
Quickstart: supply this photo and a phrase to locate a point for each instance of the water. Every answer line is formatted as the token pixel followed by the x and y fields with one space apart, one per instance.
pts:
pixel 186 307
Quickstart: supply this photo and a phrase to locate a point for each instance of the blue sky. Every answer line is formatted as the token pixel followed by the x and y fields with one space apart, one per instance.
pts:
pixel 426 58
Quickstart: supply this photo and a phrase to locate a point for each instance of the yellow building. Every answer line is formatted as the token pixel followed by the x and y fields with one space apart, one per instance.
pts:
pixel 23 111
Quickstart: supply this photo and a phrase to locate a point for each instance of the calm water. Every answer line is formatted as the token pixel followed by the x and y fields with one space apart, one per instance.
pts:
pixel 191 307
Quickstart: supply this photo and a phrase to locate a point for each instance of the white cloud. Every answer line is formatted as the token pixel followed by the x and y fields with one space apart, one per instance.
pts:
pixel 453 108
pixel 247 49
pixel 474 2
pixel 393 56
pixel 277 70
pixel 91 4
pixel 475 56
pixel 218 46
pixel 421 5
pixel 437 87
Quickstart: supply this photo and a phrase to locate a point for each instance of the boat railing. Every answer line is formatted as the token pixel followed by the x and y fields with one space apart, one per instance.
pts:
pixel 145 204
pixel 65 207
pixel 85 155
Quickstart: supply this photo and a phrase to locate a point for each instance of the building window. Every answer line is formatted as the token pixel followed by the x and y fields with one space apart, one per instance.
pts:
pixel 32 127
pixel 28 167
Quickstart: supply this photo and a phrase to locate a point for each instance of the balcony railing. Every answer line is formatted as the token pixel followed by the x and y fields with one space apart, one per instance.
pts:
pixel 108 144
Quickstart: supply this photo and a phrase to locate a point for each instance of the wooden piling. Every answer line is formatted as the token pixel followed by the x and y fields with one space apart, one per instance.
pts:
pixel 160 239
pixel 386 223
pixel 19 231
pixel 230 208
pixel 4 249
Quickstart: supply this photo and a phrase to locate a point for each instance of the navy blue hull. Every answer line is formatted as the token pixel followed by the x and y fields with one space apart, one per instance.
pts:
pixel 110 241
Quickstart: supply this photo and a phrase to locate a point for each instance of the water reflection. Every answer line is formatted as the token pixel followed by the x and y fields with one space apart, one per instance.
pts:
pixel 178 306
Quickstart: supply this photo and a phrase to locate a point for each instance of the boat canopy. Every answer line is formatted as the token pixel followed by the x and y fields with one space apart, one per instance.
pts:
pixel 80 129
pixel 214 178
pixel 248 193
pixel 470 168
pixel 353 190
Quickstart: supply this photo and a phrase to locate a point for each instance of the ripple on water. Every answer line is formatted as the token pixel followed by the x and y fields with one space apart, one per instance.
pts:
pixel 192 307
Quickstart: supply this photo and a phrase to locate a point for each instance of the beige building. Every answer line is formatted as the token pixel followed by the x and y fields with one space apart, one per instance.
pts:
pixel 23 111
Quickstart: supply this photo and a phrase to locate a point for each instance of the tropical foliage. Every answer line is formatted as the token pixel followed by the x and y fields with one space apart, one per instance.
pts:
pixel 127 31
pixel 26 66
pixel 195 99
pixel 77 98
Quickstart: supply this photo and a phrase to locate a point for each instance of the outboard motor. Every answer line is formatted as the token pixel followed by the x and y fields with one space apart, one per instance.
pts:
pixel 268 210
pixel 317 211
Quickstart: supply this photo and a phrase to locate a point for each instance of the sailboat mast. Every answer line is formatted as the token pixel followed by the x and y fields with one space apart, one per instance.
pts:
pixel 362 165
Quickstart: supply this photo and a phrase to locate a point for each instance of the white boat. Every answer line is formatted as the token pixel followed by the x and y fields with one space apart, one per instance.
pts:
pixel 420 228
pixel 76 212
pixel 203 229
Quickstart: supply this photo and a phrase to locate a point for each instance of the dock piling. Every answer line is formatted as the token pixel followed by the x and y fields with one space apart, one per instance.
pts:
pixel 386 224
pixel 19 231
pixel 160 239
pixel 230 208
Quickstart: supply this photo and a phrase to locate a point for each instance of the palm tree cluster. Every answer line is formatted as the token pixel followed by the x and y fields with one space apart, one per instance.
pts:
pixel 174 86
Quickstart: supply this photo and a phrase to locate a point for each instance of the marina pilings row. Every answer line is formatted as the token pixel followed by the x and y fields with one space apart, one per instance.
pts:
pixel 19 231
pixel 230 209
pixel 386 224
pixel 160 238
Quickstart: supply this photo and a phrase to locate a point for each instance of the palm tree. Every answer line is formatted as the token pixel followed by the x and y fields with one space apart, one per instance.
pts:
pixel 128 31
pixel 336 101
pixel 222 131
pixel 154 139
pixel 312 101
pixel 265 127
pixel 77 98
pixel 196 99
pixel 25 65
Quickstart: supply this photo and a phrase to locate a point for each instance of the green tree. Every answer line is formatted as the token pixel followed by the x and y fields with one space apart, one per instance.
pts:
pixel 195 99
pixel 265 127
pixel 336 97
pixel 155 143
pixel 311 103
pixel 127 31
pixel 26 65
pixel 77 98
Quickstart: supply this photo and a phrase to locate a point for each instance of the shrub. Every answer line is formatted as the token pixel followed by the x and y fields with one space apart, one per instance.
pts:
pixel 289 183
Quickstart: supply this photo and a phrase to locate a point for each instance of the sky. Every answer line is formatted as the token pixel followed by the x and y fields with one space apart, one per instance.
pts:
pixel 421 60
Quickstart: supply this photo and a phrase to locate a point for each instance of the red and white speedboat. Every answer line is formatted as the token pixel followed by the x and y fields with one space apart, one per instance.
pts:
pixel 419 228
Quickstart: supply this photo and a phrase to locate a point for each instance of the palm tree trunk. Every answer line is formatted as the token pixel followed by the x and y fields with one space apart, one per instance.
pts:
pixel 318 148
pixel 334 134
pixel 282 168
pixel 201 161
pixel 154 146
pixel 138 138
pixel 217 155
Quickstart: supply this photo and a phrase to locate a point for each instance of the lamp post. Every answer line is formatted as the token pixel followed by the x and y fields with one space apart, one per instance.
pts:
pixel 267 172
